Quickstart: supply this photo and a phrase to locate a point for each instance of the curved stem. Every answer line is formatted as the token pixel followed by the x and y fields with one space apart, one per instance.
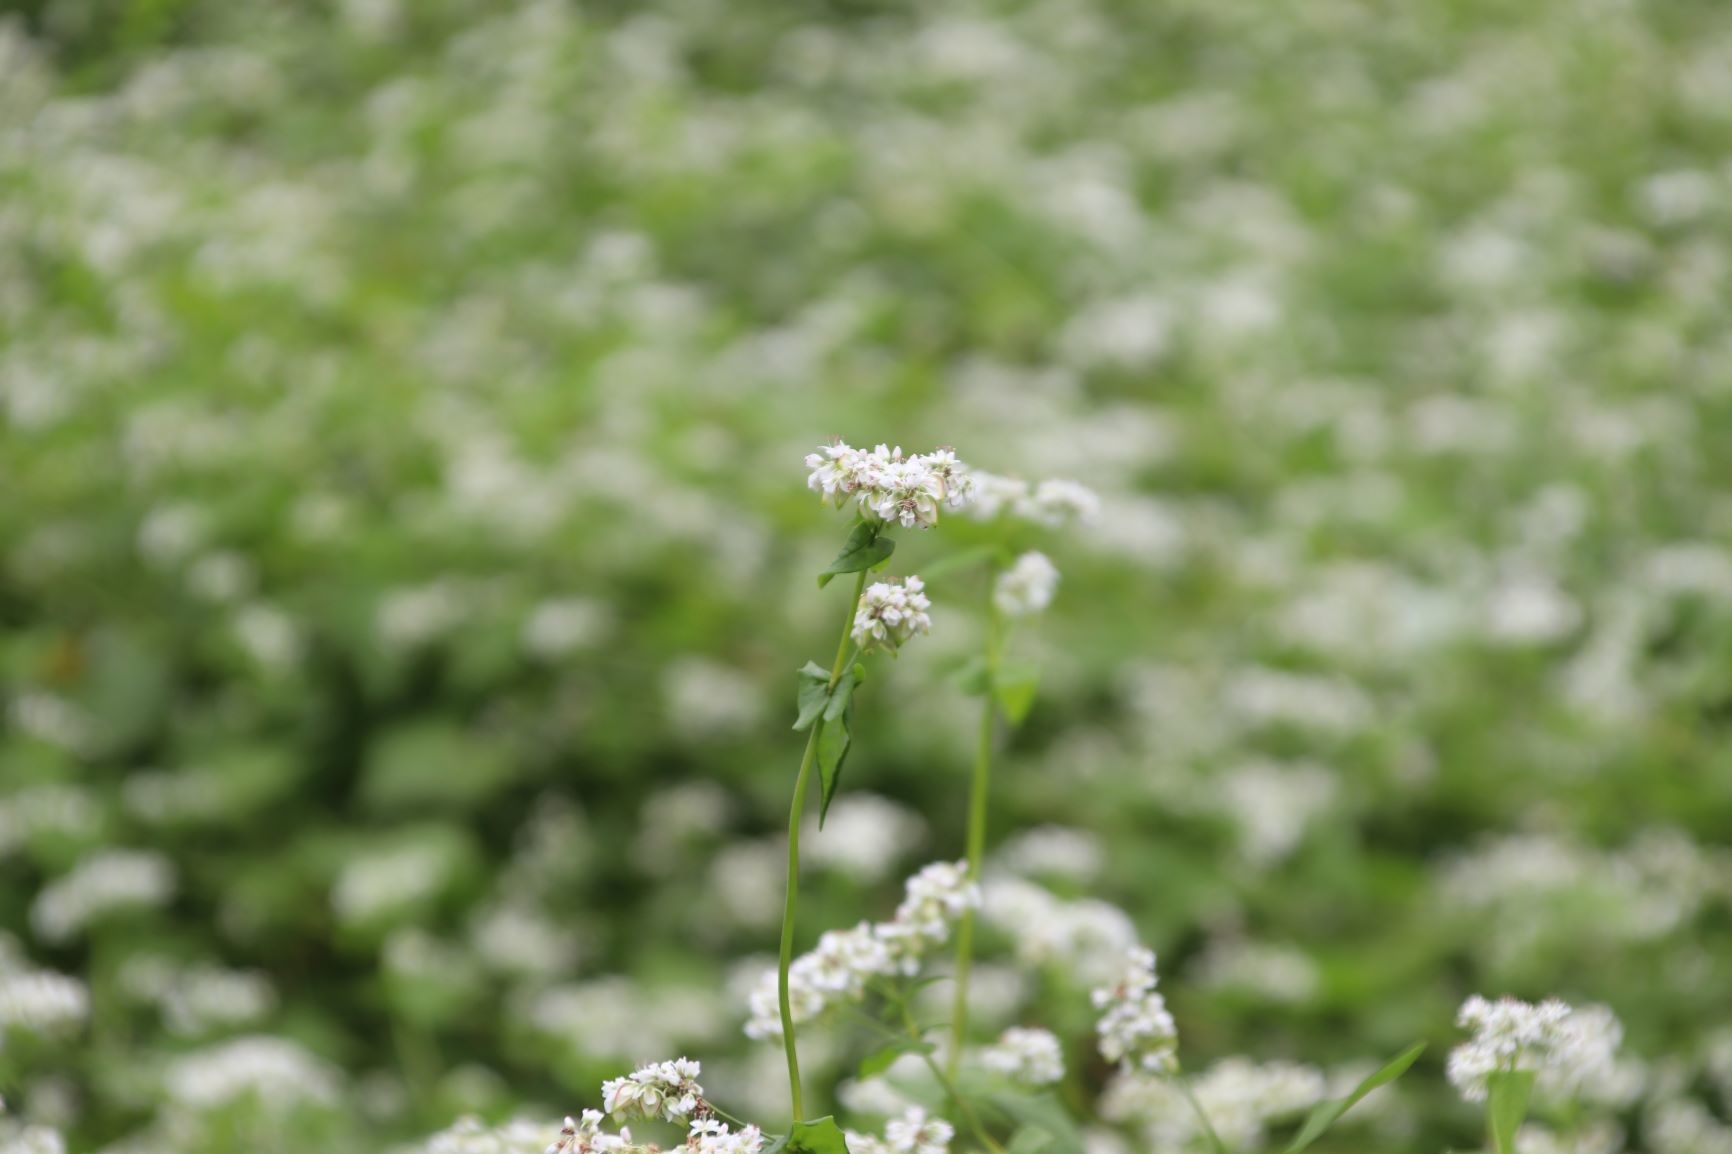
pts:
pixel 976 845
pixel 948 1082
pixel 795 812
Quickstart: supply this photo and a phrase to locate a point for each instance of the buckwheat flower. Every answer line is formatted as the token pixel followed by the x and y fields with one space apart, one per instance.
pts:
pixel 995 494
pixel 859 1143
pixel 1567 1048
pixel 712 1136
pixel 935 898
pixel 1055 502
pixel 889 614
pixel 41 1002
pixel 838 471
pixel 470 1135
pixel 665 1090
pixel 584 1135
pixel 1030 1056
pixel 906 492
pixel 1135 1028
pixel 835 972
pixel 915 1133
pixel 1027 587
pixel 889 486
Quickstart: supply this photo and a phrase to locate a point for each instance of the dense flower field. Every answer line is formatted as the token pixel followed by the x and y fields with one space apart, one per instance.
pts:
pixel 407 559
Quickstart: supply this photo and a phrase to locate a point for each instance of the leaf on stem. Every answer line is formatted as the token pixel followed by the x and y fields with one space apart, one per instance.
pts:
pixel 833 743
pixel 819 1136
pixel 814 694
pixel 1327 1112
pixel 1014 685
pixel 1507 1106
pixel 879 1061
pixel 863 549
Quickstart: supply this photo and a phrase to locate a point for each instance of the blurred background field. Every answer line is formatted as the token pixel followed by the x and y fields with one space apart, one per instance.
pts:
pixel 406 553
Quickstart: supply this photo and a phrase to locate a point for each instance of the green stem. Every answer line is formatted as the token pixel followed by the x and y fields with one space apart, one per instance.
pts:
pixel 795 812
pixel 948 1082
pixel 976 842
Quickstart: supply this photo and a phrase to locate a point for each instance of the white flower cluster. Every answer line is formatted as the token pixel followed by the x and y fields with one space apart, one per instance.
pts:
pixel 888 486
pixel 470 1135
pixel 710 1136
pixel 665 1090
pixel 277 1072
pixel 1027 587
pixel 1051 503
pixel 105 883
pixel 1239 1097
pixel 1031 1056
pixel 584 1135
pixel 838 970
pixel 912 1133
pixel 1135 1028
pixel 889 614
pixel 1085 938
pixel 1570 1049
pixel 662 1091
pixel 40 1001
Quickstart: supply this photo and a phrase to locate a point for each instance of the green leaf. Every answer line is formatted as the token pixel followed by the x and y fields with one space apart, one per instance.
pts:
pixel 974 678
pixel 1327 1112
pixel 819 1136
pixel 833 742
pixel 863 549
pixel 1014 685
pixel 1042 1112
pixel 1028 1140
pixel 843 695
pixel 1507 1106
pixel 879 1061
pixel 814 694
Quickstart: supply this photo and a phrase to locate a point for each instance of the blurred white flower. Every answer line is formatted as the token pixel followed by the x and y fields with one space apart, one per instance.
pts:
pixel 1027 587
pixel 916 1133
pixel 275 1072
pixel 1135 1029
pixel 1570 1049
pixel 1030 1056
pixel 107 882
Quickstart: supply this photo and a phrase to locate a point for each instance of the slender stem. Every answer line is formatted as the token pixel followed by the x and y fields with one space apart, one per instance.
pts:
pixel 976 843
pixel 795 812
pixel 948 1082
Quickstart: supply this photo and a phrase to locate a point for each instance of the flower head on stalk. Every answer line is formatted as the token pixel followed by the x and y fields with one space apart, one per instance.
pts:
pixel 845 961
pixel 1027 587
pixel 909 490
pixel 889 614
pixel 1030 1056
pixel 1568 1048
pixel 665 1090
pixel 1135 1028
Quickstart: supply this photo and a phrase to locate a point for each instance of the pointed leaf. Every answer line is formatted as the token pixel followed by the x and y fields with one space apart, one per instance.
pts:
pixel 843 694
pixel 833 742
pixel 1507 1105
pixel 1028 1140
pixel 879 1061
pixel 814 694
pixel 974 678
pixel 1014 685
pixel 819 1136
pixel 1041 1112
pixel 863 549
pixel 1327 1112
